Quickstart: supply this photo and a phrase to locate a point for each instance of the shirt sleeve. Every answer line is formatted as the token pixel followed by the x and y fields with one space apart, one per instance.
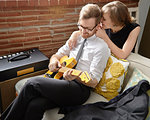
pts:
pixel 99 62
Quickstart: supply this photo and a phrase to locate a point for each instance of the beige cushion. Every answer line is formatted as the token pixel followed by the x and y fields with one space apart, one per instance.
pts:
pixel 136 76
pixel 139 62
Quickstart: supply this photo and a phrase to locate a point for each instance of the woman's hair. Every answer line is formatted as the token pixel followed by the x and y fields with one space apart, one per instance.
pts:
pixel 91 11
pixel 118 11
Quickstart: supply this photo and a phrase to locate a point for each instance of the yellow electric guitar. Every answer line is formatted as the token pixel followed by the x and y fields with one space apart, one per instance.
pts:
pixel 69 63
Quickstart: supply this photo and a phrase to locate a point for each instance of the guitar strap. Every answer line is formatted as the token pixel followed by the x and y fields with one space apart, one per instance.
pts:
pixel 80 52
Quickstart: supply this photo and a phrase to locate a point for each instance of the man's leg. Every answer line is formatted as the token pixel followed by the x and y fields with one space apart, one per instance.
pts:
pixel 37 107
pixel 58 92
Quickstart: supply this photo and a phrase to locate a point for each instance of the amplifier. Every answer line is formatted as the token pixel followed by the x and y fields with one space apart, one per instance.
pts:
pixel 22 63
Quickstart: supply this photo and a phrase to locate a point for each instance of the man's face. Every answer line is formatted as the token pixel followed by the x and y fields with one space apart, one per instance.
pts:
pixel 87 27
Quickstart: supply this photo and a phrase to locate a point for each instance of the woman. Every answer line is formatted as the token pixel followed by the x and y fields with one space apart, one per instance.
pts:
pixel 117 29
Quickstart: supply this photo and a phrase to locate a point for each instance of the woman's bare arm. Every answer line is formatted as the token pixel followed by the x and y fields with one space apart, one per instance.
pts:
pixel 127 47
pixel 73 39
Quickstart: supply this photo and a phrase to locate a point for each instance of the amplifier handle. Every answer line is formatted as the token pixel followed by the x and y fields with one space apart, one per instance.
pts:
pixel 19 57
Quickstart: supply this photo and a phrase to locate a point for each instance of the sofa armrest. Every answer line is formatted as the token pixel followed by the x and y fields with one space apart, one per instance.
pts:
pixel 137 61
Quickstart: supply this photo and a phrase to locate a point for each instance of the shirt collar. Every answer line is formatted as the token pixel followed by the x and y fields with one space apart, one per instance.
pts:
pixel 90 38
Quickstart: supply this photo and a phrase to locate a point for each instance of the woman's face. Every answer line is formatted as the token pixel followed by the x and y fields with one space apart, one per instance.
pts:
pixel 106 21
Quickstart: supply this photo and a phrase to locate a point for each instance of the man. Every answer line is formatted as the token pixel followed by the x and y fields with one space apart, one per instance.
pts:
pixel 40 94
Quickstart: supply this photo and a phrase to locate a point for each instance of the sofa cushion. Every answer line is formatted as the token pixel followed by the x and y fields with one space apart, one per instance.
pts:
pixel 112 79
pixel 137 61
pixel 136 76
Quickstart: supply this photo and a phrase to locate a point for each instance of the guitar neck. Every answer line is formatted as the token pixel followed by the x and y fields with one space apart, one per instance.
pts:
pixel 74 72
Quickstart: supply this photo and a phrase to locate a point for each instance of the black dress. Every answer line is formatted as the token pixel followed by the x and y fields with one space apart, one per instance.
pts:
pixel 120 37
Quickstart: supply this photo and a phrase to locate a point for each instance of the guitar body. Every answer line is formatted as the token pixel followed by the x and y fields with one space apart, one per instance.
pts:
pixel 68 63
pixel 64 61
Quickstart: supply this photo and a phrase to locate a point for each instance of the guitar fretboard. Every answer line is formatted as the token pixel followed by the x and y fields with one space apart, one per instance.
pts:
pixel 75 72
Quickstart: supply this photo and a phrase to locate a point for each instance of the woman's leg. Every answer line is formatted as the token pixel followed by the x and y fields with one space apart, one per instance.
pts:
pixel 58 92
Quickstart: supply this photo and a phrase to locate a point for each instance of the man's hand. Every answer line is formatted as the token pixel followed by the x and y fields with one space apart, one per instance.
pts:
pixel 68 76
pixel 54 66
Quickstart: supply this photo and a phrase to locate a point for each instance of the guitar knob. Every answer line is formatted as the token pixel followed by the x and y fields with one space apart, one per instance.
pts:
pixel 64 64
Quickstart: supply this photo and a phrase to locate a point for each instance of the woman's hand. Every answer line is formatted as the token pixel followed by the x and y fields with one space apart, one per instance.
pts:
pixel 73 39
pixel 101 32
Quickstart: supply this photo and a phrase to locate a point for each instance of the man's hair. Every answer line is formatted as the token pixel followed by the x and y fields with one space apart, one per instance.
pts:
pixel 91 11
pixel 118 11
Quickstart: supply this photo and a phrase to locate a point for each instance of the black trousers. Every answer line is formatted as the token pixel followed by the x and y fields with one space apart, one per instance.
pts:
pixel 40 94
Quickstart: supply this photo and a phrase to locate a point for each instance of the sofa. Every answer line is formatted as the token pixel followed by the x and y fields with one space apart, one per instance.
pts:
pixel 135 61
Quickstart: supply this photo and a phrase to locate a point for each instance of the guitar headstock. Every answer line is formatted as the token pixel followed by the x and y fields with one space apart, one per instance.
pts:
pixel 85 77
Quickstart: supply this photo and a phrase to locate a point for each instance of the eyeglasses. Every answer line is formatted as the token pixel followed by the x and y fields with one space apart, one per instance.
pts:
pixel 85 28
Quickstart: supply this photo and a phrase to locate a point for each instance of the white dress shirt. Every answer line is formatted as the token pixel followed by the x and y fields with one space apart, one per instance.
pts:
pixel 93 58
